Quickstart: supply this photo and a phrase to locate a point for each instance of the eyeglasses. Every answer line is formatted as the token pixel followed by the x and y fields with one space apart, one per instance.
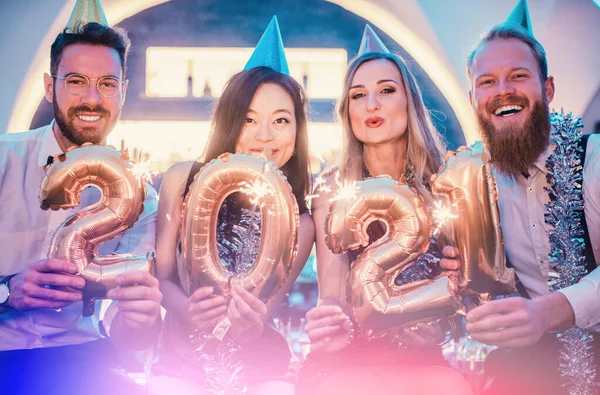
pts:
pixel 78 84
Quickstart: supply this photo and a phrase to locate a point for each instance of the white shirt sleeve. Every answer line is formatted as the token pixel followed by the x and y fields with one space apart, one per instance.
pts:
pixel 584 298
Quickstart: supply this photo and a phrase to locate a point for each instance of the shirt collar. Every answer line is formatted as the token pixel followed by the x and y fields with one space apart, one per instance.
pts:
pixel 49 145
pixel 540 162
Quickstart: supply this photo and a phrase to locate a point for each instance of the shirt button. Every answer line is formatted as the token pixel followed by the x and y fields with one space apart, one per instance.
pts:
pixel 530 189
pixel 533 225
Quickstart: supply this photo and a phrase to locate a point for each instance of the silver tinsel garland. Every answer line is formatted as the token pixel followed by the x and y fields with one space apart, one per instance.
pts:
pixel 222 367
pixel 566 259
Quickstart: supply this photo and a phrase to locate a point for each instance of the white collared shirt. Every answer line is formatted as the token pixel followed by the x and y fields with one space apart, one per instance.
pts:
pixel 26 233
pixel 521 202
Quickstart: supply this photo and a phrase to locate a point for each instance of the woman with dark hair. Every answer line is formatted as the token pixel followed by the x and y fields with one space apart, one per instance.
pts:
pixel 262 110
pixel 387 131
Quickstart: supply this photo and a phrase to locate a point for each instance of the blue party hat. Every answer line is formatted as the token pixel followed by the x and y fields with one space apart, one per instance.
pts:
pixel 86 11
pixel 371 42
pixel 269 50
pixel 520 16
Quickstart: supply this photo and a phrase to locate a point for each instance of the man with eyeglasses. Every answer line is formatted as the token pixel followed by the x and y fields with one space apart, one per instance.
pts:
pixel 46 344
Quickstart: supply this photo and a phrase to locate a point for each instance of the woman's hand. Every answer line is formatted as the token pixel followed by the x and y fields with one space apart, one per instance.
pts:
pixel 225 156
pixel 205 308
pixel 246 313
pixel 423 335
pixel 328 328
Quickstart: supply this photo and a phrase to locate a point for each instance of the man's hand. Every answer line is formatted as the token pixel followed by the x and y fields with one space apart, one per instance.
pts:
pixel 519 322
pixel 246 313
pixel 45 284
pixel 450 260
pixel 328 328
pixel 138 299
pixel 206 308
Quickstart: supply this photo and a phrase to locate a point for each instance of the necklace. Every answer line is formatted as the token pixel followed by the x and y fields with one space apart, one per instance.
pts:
pixel 407 177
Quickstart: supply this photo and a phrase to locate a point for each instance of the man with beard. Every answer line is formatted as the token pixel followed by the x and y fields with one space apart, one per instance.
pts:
pixel 47 345
pixel 510 93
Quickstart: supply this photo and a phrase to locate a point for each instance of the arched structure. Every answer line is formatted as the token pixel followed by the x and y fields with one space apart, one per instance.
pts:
pixel 438 35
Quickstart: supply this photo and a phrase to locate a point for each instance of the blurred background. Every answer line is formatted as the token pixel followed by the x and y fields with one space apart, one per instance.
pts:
pixel 185 50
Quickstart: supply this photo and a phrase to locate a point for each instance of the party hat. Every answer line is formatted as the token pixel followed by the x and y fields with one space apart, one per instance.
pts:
pixel 520 16
pixel 269 50
pixel 86 11
pixel 371 42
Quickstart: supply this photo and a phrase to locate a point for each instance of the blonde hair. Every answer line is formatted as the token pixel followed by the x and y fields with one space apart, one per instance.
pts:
pixel 425 149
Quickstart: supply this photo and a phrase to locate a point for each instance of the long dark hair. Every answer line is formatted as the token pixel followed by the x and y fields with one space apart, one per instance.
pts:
pixel 230 115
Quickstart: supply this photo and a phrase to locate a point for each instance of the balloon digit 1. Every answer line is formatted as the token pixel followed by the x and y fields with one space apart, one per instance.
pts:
pixel 279 223
pixel 77 240
pixel 379 307
pixel 466 181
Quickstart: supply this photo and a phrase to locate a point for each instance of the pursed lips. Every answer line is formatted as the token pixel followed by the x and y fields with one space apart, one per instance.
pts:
pixel 374 122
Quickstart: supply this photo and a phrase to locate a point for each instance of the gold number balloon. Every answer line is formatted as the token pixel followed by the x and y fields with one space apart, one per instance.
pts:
pixel 466 181
pixel 77 240
pixel 379 307
pixel 279 227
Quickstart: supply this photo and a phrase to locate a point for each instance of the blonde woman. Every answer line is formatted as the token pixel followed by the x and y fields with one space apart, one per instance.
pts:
pixel 387 130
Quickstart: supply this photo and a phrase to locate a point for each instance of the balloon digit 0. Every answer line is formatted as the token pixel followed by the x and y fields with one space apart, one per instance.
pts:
pixel 279 222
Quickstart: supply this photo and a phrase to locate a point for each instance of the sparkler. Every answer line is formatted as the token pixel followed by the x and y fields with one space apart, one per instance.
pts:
pixel 141 169
pixel 345 190
pixel 256 190
pixel 142 172
pixel 441 214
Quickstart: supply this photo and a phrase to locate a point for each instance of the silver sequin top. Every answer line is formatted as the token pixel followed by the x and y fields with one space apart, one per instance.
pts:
pixel 238 235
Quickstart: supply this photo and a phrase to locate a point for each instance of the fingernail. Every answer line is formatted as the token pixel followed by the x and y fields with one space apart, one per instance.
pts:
pixel 73 268
pixel 80 283
pixel 335 327
pixel 76 297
